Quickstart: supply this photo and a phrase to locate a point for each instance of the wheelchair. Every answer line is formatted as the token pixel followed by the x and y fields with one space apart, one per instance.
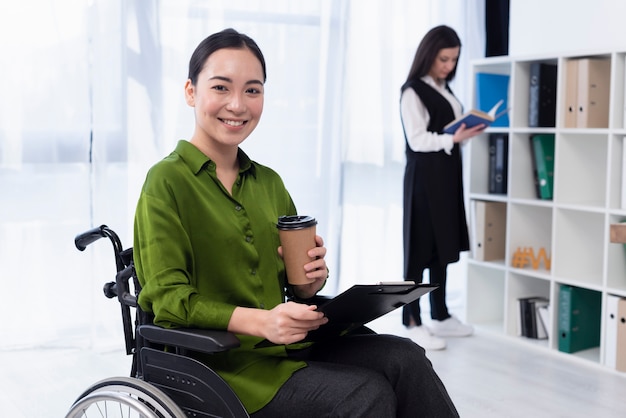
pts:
pixel 163 383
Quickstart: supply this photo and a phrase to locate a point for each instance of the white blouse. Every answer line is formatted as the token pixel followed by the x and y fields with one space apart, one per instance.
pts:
pixel 415 119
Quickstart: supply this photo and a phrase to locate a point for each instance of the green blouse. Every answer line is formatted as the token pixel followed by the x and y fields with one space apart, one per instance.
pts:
pixel 200 252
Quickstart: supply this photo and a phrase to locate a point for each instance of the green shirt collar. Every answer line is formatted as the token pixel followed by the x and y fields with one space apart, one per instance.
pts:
pixel 197 160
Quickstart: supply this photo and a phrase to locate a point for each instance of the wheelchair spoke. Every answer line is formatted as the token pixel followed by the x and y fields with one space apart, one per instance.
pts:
pixel 124 398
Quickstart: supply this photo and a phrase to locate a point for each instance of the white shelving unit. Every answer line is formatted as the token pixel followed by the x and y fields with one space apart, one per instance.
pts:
pixel 573 227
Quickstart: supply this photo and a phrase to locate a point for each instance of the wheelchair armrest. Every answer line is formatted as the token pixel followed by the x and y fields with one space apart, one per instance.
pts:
pixel 202 340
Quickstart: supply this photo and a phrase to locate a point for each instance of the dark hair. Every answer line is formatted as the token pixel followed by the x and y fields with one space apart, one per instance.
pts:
pixel 228 38
pixel 435 40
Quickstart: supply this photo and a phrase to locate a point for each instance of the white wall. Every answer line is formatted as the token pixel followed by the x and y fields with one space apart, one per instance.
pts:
pixel 542 27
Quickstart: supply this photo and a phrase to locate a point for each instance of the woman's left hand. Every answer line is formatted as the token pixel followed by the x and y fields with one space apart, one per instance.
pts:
pixel 316 270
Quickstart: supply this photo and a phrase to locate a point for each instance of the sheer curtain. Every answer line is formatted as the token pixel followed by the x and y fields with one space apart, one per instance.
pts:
pixel 94 97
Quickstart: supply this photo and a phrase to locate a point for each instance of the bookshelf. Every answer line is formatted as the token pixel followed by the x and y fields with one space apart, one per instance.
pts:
pixel 573 226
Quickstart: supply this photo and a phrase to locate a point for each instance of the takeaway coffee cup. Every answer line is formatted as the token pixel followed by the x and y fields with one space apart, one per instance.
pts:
pixel 297 237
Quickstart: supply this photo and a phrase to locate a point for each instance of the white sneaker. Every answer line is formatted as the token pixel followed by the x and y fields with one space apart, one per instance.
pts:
pixel 422 336
pixel 451 327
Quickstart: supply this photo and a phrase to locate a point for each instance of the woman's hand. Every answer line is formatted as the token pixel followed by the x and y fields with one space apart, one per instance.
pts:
pixel 316 270
pixel 463 133
pixel 290 322
pixel 287 323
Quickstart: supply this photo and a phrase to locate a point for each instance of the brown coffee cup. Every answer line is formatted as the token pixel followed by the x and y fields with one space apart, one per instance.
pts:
pixel 297 237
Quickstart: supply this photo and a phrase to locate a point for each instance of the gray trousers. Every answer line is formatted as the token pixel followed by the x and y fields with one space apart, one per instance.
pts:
pixel 373 375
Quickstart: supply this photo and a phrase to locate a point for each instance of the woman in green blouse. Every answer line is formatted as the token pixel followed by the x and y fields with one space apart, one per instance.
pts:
pixel 208 255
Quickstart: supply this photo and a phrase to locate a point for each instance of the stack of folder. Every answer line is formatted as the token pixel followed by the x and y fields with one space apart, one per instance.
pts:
pixel 587 91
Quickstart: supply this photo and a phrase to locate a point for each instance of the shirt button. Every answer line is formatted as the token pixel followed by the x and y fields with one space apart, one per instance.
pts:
pixel 248 239
pixel 262 306
pixel 253 272
pixel 237 208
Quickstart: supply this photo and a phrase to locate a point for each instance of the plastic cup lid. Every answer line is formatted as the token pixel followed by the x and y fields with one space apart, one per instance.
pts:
pixel 295 222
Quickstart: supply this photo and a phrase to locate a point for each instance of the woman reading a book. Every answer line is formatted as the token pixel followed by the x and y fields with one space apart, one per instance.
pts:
pixel 207 254
pixel 434 224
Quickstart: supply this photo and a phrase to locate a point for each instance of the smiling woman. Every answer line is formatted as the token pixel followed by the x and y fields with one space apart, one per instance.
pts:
pixel 207 255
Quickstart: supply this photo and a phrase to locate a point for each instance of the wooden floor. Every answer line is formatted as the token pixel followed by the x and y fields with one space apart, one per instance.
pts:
pixel 492 376
pixel 487 376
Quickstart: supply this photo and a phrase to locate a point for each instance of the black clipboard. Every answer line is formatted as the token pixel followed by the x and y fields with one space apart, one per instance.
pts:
pixel 361 304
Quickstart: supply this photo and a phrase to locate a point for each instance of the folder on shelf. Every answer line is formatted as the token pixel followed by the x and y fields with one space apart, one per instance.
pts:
pixel 610 340
pixel 498 162
pixel 579 318
pixel 490 89
pixel 570 96
pixel 542 153
pixel 544 316
pixel 489 227
pixel 542 95
pixel 531 324
pixel 620 361
pixel 594 84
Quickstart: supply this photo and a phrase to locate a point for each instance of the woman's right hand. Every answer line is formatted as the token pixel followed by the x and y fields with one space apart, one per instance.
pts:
pixel 290 322
pixel 286 323
pixel 463 134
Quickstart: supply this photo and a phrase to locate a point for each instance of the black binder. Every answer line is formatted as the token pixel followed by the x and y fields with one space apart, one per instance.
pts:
pixel 498 162
pixel 542 99
pixel 531 325
pixel 361 304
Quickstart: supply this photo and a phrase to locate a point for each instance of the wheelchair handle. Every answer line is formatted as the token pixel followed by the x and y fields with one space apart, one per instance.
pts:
pixel 110 290
pixel 84 239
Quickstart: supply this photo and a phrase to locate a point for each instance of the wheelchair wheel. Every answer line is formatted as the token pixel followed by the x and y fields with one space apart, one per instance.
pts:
pixel 124 397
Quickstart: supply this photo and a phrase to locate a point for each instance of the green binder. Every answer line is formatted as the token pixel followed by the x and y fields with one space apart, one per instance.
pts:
pixel 579 318
pixel 542 147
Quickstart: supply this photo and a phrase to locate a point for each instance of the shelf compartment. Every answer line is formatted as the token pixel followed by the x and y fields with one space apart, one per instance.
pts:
pixel 617 117
pixel 580 175
pixel 579 245
pixel 521 175
pixel 523 286
pixel 616 260
pixel 530 227
pixel 485 284
pixel 479 162
pixel 521 87
pixel 578 321
pixel 616 176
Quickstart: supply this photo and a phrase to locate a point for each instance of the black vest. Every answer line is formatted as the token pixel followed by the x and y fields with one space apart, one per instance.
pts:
pixel 439 109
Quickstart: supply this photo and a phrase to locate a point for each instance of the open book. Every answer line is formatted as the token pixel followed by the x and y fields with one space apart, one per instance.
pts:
pixel 361 304
pixel 475 117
